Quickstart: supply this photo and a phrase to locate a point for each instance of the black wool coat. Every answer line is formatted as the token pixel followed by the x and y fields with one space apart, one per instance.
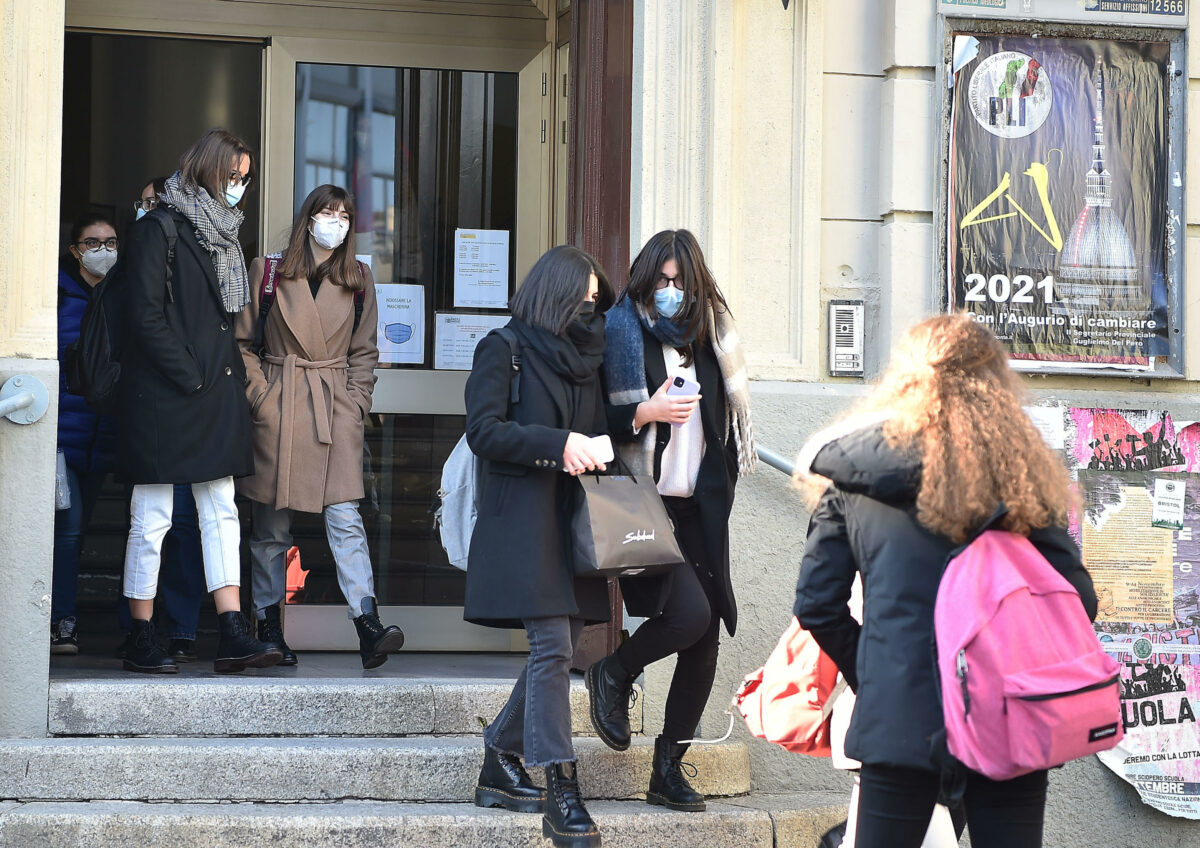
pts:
pixel 519 565
pixel 182 415
pixel 715 481
pixel 866 523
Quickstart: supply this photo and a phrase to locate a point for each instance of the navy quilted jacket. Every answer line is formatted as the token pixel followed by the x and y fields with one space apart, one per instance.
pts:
pixel 83 435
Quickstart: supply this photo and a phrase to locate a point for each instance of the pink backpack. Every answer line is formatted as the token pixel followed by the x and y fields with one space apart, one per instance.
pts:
pixel 1025 684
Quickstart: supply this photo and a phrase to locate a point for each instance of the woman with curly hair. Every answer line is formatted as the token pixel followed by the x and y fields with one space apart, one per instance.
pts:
pixel 940 451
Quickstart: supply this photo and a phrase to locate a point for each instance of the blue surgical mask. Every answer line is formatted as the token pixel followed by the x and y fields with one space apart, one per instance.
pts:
pixel 667 301
pixel 141 213
pixel 233 194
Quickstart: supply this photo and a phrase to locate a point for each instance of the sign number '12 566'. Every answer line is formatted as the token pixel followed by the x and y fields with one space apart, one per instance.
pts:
pixel 1000 289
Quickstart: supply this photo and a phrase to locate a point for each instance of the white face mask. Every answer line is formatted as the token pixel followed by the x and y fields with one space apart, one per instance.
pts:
pixel 233 194
pixel 98 262
pixel 329 232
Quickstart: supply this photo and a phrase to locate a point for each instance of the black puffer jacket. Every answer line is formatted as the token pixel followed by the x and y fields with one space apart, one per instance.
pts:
pixel 866 523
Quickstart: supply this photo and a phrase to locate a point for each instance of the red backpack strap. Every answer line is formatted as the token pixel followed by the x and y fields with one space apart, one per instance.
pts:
pixel 360 298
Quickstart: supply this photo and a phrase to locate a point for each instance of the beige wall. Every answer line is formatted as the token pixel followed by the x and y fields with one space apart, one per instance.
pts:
pixel 31 35
pixel 802 147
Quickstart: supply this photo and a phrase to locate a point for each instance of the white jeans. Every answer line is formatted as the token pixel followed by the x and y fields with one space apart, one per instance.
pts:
pixel 150 519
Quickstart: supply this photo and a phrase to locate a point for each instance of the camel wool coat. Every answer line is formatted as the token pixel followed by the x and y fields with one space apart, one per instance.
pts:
pixel 309 392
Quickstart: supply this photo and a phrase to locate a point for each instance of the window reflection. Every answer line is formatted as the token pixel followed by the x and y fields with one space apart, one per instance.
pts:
pixel 402 471
pixel 424 152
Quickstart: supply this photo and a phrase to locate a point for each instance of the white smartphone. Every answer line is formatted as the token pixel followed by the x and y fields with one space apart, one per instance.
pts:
pixel 683 386
pixel 603 447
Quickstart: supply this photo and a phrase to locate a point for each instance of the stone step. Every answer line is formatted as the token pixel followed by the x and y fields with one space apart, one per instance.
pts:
pixel 796 821
pixel 268 706
pixel 318 769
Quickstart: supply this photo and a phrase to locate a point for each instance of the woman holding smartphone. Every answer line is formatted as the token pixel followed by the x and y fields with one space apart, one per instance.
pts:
pixel 679 408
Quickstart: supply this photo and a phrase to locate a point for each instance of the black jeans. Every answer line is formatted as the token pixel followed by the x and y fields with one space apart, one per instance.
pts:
pixel 689 625
pixel 894 806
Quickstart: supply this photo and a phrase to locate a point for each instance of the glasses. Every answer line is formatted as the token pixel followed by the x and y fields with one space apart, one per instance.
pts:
pixel 96 244
pixel 664 281
pixel 237 178
pixel 145 205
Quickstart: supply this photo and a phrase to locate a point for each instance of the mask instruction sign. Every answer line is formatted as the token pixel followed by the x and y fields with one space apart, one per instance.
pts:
pixel 401 323
pixel 1058 221
pixel 481 269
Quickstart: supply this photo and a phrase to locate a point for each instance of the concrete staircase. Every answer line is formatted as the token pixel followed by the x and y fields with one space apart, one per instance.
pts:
pixel 283 760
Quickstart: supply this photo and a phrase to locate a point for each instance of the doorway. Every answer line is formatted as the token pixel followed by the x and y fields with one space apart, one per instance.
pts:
pixel 131 105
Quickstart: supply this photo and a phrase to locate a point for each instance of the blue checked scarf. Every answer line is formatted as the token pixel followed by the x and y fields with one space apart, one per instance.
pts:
pixel 625 377
pixel 217 228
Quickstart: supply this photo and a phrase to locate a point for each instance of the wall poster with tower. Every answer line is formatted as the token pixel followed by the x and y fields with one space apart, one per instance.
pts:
pixel 1060 221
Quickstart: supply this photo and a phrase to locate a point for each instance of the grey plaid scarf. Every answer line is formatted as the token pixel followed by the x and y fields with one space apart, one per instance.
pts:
pixel 217 228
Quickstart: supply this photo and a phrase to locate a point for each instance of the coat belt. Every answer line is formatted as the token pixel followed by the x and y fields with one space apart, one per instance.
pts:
pixel 319 373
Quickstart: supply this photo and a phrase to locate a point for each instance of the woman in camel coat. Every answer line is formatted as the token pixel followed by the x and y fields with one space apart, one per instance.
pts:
pixel 309 388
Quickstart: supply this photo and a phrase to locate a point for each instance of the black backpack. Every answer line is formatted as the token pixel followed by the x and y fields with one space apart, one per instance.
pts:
pixel 92 363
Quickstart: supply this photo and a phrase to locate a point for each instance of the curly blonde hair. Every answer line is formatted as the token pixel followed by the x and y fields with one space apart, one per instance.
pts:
pixel 951 398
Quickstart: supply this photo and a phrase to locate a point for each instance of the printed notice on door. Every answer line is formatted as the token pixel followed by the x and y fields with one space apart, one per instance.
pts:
pixel 1129 559
pixel 401 323
pixel 455 338
pixel 481 269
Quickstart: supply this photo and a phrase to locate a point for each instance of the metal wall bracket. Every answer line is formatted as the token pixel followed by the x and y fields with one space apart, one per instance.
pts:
pixel 24 399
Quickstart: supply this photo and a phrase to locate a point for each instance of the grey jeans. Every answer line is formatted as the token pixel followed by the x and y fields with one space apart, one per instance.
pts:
pixel 535 724
pixel 271 537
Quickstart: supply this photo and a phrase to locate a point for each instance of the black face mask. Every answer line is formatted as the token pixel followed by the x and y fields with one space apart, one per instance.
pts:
pixel 586 330
pixel 586 309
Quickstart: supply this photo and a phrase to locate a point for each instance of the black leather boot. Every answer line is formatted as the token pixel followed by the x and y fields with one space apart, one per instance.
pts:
pixel 143 652
pixel 182 650
pixel 668 787
pixel 566 822
pixel 238 650
pixel 503 782
pixel 375 641
pixel 609 687
pixel 270 630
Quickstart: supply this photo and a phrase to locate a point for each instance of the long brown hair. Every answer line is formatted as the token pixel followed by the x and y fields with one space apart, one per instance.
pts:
pixel 951 398
pixel 340 268
pixel 701 297
pixel 208 163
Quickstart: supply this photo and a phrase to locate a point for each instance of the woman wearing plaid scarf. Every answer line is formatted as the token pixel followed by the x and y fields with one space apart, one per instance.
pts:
pixel 182 411
pixel 669 332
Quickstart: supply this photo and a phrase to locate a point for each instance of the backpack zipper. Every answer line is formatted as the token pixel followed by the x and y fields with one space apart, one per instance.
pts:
pixel 1090 687
pixel 960 670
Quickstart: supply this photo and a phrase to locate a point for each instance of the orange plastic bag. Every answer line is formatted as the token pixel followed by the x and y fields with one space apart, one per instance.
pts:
pixel 789 700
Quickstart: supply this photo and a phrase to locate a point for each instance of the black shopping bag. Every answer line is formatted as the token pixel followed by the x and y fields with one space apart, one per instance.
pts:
pixel 621 528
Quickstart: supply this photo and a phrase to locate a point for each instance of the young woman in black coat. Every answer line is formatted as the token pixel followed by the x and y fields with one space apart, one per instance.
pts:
pixel 941 450
pixel 673 324
pixel 520 561
pixel 182 412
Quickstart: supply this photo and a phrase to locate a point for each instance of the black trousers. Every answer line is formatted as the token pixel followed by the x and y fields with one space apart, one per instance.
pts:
pixel 895 804
pixel 689 626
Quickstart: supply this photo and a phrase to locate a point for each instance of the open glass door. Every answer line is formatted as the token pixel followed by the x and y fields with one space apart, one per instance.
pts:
pixel 431 155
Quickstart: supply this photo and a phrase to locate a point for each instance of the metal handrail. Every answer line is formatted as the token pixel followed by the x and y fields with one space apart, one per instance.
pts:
pixel 776 461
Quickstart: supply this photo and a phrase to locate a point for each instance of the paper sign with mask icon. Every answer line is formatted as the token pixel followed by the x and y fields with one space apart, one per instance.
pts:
pixel 401 323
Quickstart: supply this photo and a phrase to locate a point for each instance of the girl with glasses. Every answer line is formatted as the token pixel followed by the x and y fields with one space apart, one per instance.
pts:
pixel 183 416
pixel 311 371
pixel 85 437
pixel 672 328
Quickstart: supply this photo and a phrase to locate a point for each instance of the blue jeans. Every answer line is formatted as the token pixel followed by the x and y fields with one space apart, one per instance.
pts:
pixel 69 526
pixel 535 724
pixel 181 579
